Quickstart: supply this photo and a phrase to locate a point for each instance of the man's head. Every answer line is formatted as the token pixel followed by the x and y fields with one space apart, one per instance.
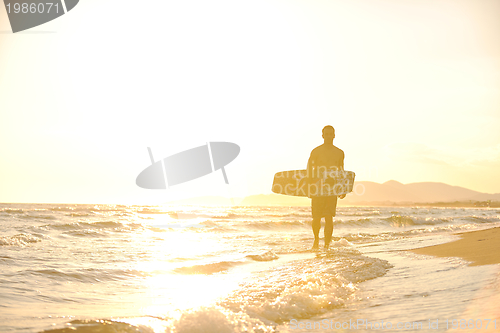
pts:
pixel 328 134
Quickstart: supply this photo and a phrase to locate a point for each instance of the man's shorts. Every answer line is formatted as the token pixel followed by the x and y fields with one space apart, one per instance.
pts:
pixel 323 206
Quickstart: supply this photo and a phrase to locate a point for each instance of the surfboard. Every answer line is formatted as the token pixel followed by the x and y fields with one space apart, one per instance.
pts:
pixel 330 183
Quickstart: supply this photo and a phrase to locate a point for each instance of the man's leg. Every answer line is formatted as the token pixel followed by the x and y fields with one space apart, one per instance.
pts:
pixel 328 230
pixel 331 209
pixel 316 225
pixel 317 205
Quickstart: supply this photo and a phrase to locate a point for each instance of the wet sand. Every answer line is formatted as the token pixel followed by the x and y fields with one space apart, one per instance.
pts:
pixel 481 247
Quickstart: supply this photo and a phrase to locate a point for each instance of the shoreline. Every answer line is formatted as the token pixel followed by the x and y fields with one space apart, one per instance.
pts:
pixel 480 247
pixel 281 202
pixel 451 204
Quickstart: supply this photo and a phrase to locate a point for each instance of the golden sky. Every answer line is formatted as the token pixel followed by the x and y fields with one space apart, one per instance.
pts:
pixel 412 88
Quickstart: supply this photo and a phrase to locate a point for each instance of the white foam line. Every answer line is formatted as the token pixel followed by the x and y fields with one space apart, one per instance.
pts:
pixel 64 6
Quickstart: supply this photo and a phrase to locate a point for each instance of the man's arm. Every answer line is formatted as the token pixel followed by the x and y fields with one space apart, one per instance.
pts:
pixel 310 166
pixel 342 162
pixel 342 168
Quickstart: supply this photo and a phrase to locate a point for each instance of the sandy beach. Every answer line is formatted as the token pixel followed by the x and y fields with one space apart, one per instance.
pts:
pixel 481 247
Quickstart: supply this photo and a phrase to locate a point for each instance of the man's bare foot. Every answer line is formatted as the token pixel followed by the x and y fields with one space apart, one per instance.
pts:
pixel 315 245
pixel 327 245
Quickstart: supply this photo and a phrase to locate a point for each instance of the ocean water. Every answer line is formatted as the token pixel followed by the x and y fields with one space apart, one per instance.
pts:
pixel 112 268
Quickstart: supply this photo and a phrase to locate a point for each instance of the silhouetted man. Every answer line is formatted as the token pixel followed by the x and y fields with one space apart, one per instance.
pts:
pixel 324 157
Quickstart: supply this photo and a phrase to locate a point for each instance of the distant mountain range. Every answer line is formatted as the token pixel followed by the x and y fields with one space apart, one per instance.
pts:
pixel 391 192
pixel 426 192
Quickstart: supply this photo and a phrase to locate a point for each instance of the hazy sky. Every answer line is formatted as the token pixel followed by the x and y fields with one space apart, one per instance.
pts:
pixel 412 88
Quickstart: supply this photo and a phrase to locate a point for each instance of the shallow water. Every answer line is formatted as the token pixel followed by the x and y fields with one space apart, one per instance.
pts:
pixel 115 268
